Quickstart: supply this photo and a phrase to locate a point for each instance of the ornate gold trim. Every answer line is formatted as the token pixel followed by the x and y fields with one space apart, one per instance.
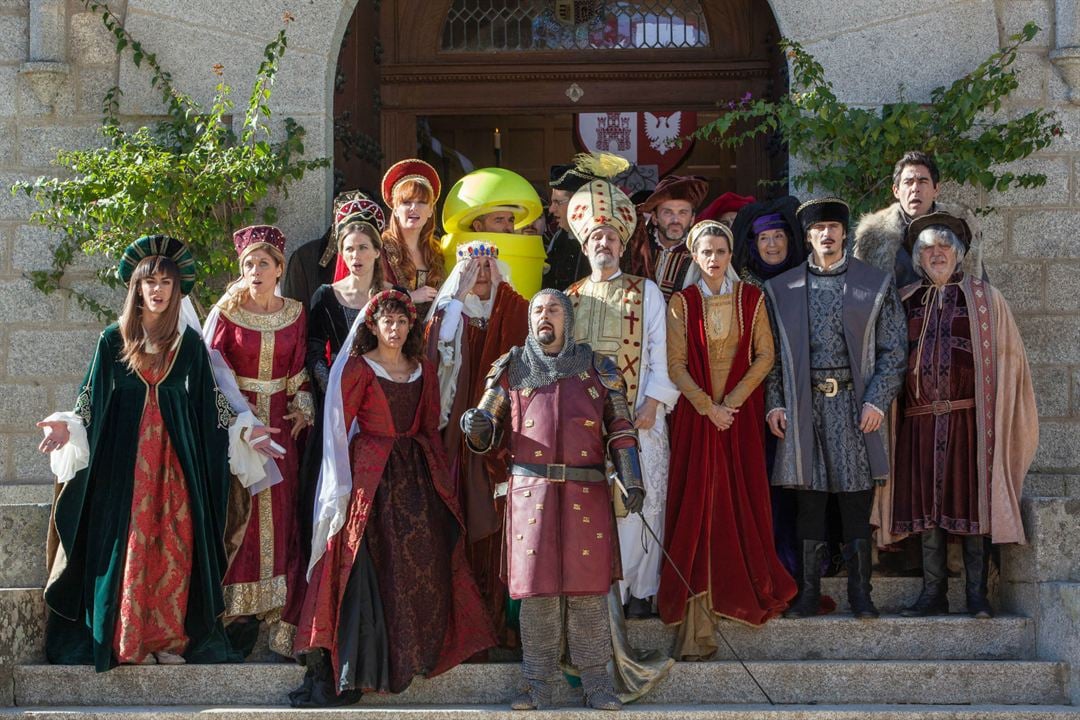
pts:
pixel 293 384
pixel 284 317
pixel 255 598
pixel 265 387
pixel 266 536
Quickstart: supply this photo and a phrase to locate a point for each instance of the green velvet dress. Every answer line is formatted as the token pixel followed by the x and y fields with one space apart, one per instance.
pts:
pixel 93 510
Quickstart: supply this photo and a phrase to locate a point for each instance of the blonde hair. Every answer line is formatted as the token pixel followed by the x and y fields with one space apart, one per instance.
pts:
pixel 234 294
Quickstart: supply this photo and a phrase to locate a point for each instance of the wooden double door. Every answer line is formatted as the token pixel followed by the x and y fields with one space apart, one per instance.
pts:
pixel 421 92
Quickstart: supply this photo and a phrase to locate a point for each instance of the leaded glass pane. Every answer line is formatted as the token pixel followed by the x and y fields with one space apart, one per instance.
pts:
pixel 487 25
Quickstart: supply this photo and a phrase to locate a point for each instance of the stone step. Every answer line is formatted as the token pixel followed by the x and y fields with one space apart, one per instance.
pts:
pixel 826 682
pixel 22 626
pixel 842 637
pixel 837 636
pixel 24 529
pixel 501 712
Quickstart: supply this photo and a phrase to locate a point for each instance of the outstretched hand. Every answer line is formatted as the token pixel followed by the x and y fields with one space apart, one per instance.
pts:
pixel 56 435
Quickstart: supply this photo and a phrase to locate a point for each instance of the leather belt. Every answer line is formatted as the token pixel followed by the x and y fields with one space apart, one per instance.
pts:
pixel 831 386
pixel 940 407
pixel 560 473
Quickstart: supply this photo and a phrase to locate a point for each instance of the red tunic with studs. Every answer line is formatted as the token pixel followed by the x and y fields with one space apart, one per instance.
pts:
pixel 560 535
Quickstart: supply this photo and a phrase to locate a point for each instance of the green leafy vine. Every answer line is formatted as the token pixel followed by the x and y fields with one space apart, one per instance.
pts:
pixel 190 176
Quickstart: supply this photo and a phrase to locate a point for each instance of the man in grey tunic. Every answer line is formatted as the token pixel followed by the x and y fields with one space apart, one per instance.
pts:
pixel 841 357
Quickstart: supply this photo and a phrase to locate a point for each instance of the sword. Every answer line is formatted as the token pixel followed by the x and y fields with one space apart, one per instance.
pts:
pixel 715 623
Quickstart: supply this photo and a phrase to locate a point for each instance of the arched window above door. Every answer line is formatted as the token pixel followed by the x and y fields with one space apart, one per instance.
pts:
pixel 538 25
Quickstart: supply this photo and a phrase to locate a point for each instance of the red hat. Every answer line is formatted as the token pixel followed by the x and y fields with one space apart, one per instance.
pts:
pixel 728 202
pixel 411 169
pixel 246 239
pixel 692 188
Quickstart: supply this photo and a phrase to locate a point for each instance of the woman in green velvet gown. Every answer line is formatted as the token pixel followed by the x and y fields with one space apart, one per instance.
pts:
pixel 136 550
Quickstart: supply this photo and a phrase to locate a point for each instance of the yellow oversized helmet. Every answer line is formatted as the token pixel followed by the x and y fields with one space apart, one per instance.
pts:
pixel 488 190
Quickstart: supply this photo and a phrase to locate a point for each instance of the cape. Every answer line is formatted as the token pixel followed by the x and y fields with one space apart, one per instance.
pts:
pixel 92 512
pixel 1006 417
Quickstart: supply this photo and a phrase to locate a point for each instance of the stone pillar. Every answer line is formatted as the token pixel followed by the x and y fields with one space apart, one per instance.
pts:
pixel 46 68
pixel 1066 56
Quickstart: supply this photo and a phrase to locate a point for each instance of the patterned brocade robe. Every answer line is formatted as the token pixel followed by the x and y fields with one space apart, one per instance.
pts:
pixel 266 353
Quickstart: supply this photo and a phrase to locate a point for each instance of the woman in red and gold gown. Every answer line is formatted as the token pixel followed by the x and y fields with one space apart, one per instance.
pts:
pixel 390 595
pixel 262 339
pixel 718 528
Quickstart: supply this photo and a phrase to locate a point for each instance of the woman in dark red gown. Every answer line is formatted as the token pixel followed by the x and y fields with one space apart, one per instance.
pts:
pixel 388 559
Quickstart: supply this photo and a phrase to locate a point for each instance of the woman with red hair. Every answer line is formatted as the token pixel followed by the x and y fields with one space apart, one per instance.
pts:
pixel 413 258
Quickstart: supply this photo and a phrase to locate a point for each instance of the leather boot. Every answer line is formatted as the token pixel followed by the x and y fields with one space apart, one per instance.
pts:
pixel 934 598
pixel 807 604
pixel 976 568
pixel 858 558
pixel 318 689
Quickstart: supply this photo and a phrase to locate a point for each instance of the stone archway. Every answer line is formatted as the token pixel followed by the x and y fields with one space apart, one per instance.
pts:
pixel 860 45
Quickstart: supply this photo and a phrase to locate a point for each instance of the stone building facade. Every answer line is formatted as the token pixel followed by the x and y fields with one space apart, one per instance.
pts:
pixel 57 61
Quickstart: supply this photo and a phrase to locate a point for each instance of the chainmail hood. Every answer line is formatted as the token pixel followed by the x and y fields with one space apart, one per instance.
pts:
pixel 530 367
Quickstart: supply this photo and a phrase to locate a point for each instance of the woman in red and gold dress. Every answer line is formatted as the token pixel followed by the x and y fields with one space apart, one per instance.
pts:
pixel 718 528
pixel 390 595
pixel 258 342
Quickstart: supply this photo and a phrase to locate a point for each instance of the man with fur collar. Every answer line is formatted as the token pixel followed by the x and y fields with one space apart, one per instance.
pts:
pixel 880 236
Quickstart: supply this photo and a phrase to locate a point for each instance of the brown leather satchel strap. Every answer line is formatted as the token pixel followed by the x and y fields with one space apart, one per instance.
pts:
pixel 559 473
pixel 939 407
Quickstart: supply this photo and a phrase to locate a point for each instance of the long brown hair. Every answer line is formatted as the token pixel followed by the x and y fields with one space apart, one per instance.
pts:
pixel 369 231
pixel 164 333
pixel 237 290
pixel 367 340
pixel 397 253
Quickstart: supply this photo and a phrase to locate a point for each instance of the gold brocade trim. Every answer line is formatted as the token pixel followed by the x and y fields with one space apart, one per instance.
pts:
pixel 305 403
pixel 282 637
pixel 82 406
pixel 293 384
pixel 255 598
pixel 266 536
pixel 264 387
pixel 266 373
pixel 265 322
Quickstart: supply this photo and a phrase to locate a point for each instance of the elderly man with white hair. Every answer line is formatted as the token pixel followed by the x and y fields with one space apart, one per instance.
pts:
pixel 968 426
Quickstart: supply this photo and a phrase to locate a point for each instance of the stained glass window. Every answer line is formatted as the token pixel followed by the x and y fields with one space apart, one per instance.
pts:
pixel 516 25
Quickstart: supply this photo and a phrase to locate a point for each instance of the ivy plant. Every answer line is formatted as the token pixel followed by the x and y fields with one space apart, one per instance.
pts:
pixel 849 151
pixel 191 175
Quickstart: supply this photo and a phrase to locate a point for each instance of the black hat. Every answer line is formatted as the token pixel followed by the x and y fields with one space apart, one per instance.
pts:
pixel 958 225
pixel 827 209
pixel 569 178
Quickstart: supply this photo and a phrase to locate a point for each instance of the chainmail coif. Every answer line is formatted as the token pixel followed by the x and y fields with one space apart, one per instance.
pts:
pixel 530 367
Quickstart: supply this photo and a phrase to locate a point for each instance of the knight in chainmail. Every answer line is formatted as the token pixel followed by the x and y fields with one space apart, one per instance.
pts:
pixel 565 411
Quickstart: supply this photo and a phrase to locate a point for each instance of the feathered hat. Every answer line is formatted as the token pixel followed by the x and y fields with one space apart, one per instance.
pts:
pixel 600 202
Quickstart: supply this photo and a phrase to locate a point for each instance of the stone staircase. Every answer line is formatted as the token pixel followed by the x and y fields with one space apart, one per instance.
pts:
pixel 830 667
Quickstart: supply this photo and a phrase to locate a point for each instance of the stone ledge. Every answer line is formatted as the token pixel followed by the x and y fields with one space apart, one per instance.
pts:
pixel 501 712
pixel 836 637
pixel 837 682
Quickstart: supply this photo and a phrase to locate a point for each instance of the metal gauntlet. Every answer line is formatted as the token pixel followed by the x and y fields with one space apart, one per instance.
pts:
pixel 483 425
pixel 627 464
